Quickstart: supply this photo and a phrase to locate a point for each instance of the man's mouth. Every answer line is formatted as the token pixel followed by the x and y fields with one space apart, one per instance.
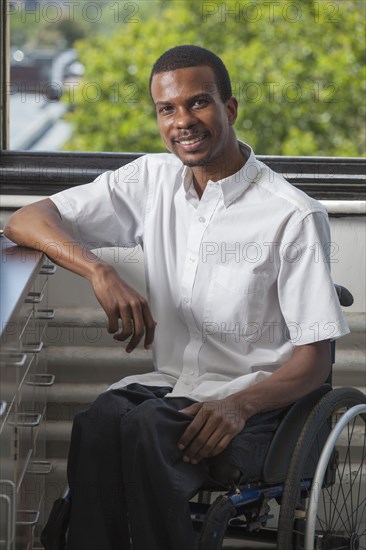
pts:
pixel 191 142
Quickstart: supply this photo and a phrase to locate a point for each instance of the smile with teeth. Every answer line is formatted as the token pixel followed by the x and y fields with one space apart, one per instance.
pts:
pixel 192 140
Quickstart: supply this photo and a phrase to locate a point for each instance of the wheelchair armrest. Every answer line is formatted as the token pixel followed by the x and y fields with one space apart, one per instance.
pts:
pixel 344 296
pixel 283 443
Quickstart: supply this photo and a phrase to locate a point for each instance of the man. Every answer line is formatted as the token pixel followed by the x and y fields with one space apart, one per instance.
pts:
pixel 239 311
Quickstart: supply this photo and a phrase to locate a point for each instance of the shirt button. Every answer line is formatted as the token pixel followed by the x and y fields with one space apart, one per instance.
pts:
pixel 186 300
pixel 191 372
pixel 202 219
pixel 192 259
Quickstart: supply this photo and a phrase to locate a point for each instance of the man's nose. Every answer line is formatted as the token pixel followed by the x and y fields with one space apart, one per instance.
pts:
pixel 185 118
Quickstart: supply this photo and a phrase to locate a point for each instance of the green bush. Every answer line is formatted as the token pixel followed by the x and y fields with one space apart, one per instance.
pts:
pixel 297 69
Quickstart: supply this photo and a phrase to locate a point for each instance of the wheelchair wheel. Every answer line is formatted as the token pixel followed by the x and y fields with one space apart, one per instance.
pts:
pixel 213 531
pixel 339 521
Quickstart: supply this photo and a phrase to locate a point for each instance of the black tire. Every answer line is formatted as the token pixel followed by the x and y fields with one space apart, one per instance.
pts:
pixel 214 527
pixel 337 524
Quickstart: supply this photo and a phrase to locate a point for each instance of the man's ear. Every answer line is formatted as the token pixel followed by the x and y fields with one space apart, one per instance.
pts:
pixel 232 110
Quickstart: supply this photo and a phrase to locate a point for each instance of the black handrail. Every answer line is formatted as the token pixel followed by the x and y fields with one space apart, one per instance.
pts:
pixel 44 173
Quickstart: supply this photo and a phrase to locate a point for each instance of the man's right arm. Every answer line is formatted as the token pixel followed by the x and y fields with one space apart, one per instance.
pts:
pixel 40 226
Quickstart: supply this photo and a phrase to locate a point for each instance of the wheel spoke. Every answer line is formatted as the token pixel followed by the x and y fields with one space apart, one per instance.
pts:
pixel 332 525
pixel 349 515
pixel 352 476
pixel 340 485
pixel 361 468
pixel 350 464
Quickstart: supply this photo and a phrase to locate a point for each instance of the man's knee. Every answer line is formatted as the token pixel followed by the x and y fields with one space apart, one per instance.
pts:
pixel 101 416
pixel 153 427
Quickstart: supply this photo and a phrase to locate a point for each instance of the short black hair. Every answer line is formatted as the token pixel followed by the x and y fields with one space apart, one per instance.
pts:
pixel 181 57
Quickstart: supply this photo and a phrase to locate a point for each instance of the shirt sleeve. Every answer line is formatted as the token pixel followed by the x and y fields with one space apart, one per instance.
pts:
pixel 307 296
pixel 109 211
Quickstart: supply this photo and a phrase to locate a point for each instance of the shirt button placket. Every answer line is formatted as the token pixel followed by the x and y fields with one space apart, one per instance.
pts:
pixel 197 230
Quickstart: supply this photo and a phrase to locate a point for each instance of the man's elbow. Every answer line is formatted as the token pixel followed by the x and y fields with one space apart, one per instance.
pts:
pixel 19 226
pixel 14 227
pixel 26 220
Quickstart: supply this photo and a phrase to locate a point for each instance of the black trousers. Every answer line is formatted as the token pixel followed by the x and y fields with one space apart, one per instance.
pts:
pixel 127 477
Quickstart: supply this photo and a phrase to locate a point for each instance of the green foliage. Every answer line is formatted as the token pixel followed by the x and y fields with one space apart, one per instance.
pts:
pixel 50 24
pixel 297 69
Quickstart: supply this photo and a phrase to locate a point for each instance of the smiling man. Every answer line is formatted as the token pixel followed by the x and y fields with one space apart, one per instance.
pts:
pixel 238 311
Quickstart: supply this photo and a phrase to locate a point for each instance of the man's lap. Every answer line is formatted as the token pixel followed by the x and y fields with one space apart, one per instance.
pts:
pixel 246 452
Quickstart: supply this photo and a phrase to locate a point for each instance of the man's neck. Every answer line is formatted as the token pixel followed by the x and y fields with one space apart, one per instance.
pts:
pixel 220 171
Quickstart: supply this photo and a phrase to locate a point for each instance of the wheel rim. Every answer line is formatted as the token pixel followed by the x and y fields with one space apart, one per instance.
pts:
pixel 340 516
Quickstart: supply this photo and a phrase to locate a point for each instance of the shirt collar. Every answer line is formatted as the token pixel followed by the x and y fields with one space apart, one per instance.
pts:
pixel 232 186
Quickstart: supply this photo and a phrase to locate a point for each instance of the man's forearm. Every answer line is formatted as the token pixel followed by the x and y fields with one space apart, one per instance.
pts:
pixel 40 226
pixel 305 371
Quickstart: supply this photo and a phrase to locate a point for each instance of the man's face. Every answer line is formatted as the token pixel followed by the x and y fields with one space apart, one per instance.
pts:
pixel 193 121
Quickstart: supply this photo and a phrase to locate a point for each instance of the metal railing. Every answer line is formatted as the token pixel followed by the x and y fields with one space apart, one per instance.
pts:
pixel 41 174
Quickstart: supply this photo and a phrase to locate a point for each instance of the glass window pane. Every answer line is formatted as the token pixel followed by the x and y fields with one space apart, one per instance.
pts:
pixel 80 71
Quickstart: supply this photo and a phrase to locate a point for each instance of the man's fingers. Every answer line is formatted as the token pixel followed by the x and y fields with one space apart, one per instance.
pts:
pixel 112 322
pixel 136 321
pixel 132 326
pixel 210 447
pixel 211 430
pixel 122 302
pixel 191 410
pixel 127 328
pixel 150 325
pixel 203 441
pixel 138 327
pixel 194 427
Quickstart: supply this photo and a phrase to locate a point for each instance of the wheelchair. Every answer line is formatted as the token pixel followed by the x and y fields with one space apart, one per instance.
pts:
pixel 315 472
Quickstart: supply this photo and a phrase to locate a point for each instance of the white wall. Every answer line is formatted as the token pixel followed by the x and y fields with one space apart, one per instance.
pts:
pixel 349 268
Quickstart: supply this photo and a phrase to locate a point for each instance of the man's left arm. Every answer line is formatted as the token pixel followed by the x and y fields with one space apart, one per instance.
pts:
pixel 215 423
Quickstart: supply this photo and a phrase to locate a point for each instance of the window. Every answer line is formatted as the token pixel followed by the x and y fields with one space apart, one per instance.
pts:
pixel 79 71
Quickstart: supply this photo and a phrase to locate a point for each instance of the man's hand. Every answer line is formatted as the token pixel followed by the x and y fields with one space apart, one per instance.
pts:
pixel 120 301
pixel 214 425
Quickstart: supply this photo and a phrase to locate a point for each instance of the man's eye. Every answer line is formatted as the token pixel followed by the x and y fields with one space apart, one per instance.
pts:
pixel 165 109
pixel 200 103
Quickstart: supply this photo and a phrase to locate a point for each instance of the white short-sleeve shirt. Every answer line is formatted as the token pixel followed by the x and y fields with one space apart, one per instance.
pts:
pixel 235 279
